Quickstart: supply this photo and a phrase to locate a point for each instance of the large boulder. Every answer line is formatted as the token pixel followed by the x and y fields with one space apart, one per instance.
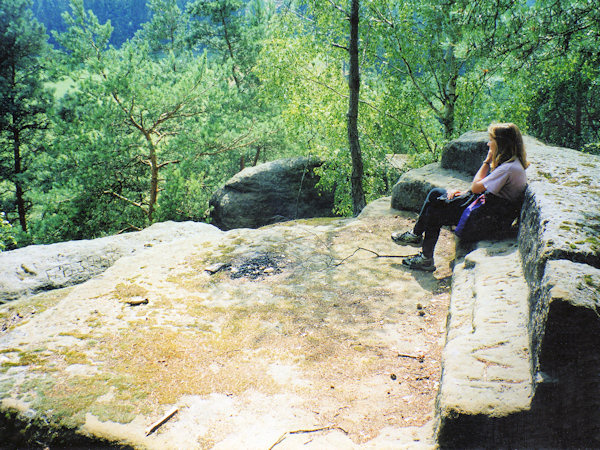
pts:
pixel 466 153
pixel 559 242
pixel 461 159
pixel 273 192
pixel 37 268
pixel 413 186
pixel 561 213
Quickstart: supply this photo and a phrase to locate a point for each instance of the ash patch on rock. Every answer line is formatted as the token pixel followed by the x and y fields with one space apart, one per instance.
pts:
pixel 256 266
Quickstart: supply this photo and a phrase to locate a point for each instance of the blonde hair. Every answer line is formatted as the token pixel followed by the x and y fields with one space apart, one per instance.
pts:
pixel 509 143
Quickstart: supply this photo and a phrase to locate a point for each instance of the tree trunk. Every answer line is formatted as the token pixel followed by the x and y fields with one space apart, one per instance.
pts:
pixel 358 195
pixel 256 156
pixel 449 110
pixel 153 180
pixel 230 49
pixel 578 131
pixel 450 96
pixel 18 169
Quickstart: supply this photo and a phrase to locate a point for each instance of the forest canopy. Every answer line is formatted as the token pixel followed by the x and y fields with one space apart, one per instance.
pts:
pixel 119 113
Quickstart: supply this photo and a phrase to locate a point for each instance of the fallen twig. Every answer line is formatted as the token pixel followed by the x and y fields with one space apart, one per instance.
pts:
pixel 152 428
pixel 377 255
pixel 402 355
pixel 314 430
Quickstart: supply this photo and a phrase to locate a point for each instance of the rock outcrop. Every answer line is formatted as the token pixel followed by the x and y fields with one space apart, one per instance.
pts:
pixel 28 270
pixel 314 329
pixel 465 154
pixel 461 159
pixel 521 361
pixel 273 192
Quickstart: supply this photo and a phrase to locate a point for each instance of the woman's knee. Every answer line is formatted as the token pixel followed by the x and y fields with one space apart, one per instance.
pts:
pixel 436 193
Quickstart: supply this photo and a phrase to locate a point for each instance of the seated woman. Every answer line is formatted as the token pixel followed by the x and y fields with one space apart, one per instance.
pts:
pixel 502 181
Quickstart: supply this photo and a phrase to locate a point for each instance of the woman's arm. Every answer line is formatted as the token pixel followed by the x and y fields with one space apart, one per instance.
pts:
pixel 477 186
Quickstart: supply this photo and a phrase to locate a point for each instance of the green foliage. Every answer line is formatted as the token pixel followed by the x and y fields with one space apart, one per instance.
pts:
pixel 167 29
pixel 563 87
pixel 231 31
pixel 441 55
pixel 565 103
pixel 130 109
pixel 148 131
pixel 7 234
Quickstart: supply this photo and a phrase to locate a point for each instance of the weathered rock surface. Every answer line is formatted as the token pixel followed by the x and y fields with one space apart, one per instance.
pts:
pixel 316 334
pixel 487 346
pixel 559 409
pixel 560 245
pixel 273 192
pixel 36 268
pixel 561 215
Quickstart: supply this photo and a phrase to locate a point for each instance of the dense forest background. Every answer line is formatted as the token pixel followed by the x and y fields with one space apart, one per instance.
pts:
pixel 118 113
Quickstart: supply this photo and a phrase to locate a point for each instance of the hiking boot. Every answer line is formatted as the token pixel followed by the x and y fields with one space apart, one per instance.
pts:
pixel 419 262
pixel 406 238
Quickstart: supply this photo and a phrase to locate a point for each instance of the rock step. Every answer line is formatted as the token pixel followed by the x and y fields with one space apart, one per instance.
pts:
pixel 486 361
pixel 413 186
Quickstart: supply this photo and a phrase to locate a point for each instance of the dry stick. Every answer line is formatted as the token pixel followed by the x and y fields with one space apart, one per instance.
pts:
pixel 377 255
pixel 152 428
pixel 403 355
pixel 284 435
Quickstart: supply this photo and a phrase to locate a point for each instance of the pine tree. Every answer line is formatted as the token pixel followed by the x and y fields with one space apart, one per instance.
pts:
pixel 23 98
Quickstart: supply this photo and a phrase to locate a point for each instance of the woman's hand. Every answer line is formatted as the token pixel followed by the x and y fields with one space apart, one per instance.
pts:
pixel 477 186
pixel 451 193
pixel 488 159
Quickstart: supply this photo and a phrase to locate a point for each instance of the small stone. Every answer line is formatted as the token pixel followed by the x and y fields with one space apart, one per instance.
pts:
pixel 393 376
pixel 137 301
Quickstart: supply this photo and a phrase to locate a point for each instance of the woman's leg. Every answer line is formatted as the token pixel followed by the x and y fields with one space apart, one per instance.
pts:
pixel 434 203
pixel 438 211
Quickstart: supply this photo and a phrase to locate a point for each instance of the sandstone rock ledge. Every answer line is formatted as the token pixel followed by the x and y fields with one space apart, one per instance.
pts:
pixel 521 365
pixel 253 334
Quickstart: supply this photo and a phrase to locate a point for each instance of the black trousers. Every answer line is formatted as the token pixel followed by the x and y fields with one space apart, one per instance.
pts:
pixel 438 211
